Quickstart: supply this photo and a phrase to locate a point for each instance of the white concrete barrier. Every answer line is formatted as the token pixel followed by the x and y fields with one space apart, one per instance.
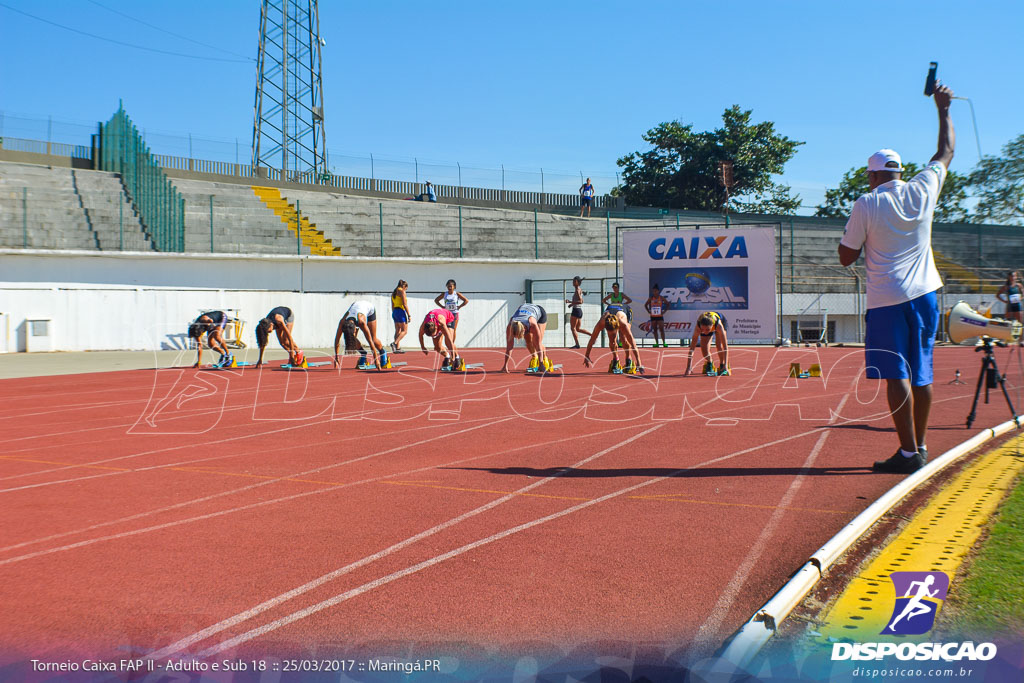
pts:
pixel 140 301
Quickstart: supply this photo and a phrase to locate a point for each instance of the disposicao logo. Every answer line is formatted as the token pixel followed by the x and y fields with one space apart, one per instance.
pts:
pixel 919 595
pixel 918 598
pixel 733 246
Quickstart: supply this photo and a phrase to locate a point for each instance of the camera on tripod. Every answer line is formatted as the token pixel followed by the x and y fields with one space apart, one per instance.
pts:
pixel 964 323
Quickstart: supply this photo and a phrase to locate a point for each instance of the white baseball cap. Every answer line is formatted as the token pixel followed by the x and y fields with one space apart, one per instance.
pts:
pixel 885 160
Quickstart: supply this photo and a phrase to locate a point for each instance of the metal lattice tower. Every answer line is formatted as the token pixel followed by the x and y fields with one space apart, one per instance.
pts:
pixel 288 129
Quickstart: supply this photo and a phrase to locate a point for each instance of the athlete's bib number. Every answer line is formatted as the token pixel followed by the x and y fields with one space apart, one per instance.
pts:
pixel 1015 298
pixel 451 305
pixel 655 310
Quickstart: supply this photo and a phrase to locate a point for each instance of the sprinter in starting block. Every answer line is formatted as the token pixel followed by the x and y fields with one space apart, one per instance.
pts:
pixel 615 323
pixel 528 323
pixel 710 324
pixel 212 324
pixel 361 317
pixel 439 325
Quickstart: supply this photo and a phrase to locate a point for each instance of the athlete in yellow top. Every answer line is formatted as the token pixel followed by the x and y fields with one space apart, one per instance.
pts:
pixel 710 324
pixel 400 314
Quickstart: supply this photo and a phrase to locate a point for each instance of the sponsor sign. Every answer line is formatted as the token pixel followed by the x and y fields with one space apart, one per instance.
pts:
pixel 731 272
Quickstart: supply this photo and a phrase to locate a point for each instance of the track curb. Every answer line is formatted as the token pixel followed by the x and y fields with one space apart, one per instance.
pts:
pixel 755 633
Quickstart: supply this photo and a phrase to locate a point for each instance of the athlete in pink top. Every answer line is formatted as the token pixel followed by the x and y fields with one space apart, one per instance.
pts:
pixel 438 324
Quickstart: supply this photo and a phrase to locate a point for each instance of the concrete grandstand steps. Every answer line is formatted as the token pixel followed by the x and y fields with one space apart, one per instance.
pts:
pixel 241 223
pixel 432 229
pixel 62 208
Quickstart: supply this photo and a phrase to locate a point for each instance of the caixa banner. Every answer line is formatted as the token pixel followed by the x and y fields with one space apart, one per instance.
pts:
pixel 731 272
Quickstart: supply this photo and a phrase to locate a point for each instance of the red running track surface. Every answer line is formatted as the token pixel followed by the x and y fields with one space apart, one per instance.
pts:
pixel 248 512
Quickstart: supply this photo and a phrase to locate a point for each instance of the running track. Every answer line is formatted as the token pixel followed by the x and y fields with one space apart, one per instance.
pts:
pixel 266 513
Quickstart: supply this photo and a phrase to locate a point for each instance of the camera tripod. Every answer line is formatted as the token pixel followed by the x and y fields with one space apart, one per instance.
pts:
pixel 991 377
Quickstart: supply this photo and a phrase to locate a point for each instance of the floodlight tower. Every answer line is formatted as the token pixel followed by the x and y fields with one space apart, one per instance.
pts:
pixel 288 124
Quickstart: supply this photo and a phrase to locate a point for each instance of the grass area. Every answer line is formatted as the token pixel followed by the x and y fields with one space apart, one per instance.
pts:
pixel 990 596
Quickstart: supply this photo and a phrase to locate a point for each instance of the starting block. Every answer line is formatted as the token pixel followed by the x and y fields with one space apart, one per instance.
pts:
pixel 388 366
pixel 814 371
pixel 541 371
pixel 465 366
pixel 306 365
pixel 234 364
pixel 794 369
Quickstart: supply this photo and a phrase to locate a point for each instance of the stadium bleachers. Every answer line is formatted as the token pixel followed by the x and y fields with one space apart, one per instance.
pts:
pixel 65 208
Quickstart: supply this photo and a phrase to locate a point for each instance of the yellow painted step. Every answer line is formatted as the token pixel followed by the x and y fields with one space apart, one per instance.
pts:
pixel 307 232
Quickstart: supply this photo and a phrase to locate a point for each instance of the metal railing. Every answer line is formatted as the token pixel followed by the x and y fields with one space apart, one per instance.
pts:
pixel 160 207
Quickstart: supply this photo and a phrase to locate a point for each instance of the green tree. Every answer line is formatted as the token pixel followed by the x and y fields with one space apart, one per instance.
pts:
pixel 998 183
pixel 681 171
pixel 949 209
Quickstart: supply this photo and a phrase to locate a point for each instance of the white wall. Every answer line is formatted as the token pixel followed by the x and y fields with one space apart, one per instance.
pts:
pixel 111 301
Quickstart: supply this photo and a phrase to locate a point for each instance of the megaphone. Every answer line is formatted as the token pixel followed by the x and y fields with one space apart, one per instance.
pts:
pixel 963 323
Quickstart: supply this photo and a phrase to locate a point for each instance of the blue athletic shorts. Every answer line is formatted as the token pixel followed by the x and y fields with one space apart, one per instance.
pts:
pixel 399 315
pixel 899 340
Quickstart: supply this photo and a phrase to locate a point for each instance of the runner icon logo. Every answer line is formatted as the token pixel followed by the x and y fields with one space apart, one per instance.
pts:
pixel 918 598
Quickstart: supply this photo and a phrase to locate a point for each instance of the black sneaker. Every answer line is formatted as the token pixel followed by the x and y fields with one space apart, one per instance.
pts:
pixel 899 464
pixel 923 452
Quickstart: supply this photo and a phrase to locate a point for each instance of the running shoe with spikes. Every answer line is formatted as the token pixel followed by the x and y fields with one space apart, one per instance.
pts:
pixel 614 367
pixel 709 369
pixel 724 371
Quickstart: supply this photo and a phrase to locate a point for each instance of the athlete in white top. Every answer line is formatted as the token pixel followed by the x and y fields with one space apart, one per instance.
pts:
pixel 892 224
pixel 361 315
pixel 452 300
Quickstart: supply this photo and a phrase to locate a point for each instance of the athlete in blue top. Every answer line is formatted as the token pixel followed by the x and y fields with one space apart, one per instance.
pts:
pixel 213 324
pixel 586 197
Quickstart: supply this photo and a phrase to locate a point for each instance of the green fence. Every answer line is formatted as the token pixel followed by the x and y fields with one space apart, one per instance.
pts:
pixel 159 205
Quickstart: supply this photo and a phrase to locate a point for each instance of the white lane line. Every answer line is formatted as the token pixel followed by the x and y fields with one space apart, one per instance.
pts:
pixel 249 488
pixel 440 558
pixel 330 576
pixel 311 423
pixel 196 501
pixel 707 634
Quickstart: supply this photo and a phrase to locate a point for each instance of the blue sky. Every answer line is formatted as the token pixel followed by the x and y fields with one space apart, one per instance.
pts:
pixel 567 87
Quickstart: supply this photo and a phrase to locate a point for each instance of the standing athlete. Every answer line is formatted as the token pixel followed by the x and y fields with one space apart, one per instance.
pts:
pixel 576 316
pixel 452 300
pixel 656 306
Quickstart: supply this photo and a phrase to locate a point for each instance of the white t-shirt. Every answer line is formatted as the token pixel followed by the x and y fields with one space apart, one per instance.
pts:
pixel 364 307
pixel 893 224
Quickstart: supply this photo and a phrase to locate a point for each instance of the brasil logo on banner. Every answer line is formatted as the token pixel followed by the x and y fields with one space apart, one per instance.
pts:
pixel 693 289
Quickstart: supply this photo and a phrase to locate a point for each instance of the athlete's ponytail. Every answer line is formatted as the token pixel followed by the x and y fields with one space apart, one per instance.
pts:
pixel 401 283
pixel 518 329
pixel 263 328
pixel 348 328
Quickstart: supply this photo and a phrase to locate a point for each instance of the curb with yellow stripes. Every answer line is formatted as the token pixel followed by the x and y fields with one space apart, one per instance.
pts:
pixel 938 538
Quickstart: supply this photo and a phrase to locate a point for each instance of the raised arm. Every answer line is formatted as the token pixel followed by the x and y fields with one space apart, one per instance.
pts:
pixel 947 136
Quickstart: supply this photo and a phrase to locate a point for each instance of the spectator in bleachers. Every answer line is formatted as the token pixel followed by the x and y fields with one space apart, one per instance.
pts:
pixel 427 195
pixel 586 197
